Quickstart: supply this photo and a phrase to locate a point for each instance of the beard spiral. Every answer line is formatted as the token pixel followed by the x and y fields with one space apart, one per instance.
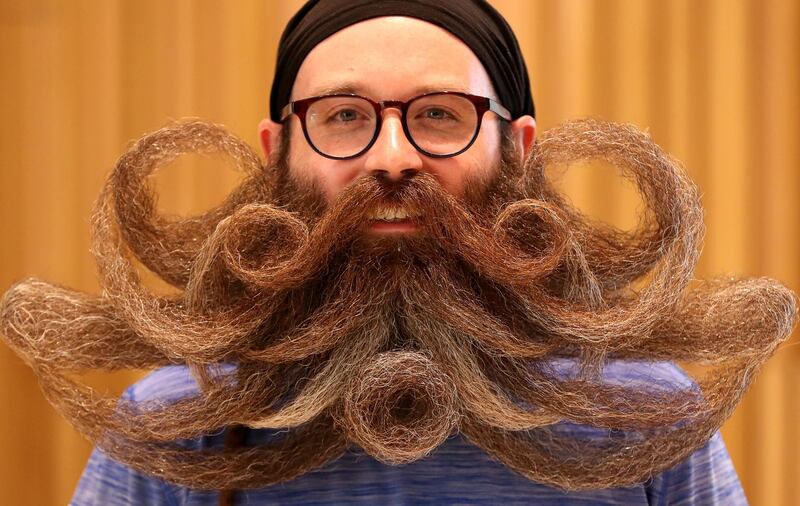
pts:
pixel 498 320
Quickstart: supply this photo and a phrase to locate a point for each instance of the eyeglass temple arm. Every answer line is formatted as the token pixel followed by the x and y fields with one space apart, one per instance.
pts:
pixel 499 110
pixel 287 111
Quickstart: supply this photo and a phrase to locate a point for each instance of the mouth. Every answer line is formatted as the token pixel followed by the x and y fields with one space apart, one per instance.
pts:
pixel 396 219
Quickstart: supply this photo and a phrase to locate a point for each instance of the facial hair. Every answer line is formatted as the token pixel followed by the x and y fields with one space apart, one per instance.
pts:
pixel 393 346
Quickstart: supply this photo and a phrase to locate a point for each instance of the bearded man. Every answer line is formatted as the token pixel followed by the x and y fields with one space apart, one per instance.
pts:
pixel 398 307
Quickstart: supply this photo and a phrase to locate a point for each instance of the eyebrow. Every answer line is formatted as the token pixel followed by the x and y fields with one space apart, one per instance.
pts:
pixel 355 88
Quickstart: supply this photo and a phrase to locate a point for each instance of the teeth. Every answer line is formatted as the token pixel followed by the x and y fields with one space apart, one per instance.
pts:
pixel 391 213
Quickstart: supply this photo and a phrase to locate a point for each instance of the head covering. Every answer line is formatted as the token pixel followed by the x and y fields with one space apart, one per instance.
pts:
pixel 475 22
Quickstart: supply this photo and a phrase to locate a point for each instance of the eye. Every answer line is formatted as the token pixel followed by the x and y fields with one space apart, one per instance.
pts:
pixel 345 115
pixel 436 113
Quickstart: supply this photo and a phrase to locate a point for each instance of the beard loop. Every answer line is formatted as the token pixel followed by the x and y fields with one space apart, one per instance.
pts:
pixel 400 407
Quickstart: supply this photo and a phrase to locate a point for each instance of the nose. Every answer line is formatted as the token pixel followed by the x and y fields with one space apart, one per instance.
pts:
pixel 392 157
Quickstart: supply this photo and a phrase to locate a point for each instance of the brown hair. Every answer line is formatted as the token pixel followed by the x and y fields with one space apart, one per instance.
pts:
pixel 393 344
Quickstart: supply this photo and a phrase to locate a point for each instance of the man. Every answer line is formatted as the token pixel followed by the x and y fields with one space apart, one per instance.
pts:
pixel 424 280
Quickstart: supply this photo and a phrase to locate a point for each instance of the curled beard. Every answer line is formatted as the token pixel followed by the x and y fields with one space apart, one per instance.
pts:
pixel 393 344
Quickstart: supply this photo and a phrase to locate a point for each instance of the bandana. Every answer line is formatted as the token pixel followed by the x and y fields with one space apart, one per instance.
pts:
pixel 475 22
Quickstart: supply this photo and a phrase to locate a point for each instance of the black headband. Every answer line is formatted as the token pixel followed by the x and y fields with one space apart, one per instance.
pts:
pixel 475 22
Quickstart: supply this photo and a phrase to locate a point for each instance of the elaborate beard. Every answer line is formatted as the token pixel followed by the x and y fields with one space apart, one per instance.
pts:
pixel 393 344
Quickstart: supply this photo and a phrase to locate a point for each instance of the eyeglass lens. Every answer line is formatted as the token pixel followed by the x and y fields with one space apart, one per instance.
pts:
pixel 439 124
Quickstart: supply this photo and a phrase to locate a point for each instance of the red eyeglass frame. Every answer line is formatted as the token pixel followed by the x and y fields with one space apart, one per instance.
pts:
pixel 481 104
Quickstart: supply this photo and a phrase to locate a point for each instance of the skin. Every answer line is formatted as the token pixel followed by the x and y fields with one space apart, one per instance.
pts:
pixel 390 58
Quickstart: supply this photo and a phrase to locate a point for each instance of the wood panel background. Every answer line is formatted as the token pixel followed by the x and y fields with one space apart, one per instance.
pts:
pixel 715 82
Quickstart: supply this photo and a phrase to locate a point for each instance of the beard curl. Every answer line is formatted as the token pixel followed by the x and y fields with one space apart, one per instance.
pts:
pixel 339 337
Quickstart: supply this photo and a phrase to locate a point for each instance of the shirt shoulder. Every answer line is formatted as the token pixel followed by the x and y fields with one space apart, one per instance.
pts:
pixel 107 482
pixel 706 478
pixel 631 373
pixel 167 384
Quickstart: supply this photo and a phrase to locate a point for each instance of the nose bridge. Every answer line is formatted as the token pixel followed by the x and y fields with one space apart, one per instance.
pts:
pixel 392 155
pixel 396 104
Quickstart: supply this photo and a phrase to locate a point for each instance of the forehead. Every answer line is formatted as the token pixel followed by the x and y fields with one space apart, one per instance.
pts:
pixel 391 57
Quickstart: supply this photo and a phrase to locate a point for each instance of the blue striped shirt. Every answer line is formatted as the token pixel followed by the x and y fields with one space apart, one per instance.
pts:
pixel 456 473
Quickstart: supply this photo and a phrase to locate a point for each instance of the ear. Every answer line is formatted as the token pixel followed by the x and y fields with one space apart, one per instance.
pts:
pixel 270 134
pixel 524 131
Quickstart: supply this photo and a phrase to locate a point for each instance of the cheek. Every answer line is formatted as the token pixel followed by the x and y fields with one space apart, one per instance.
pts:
pixel 453 174
pixel 336 178
pixel 330 176
pixel 452 178
pixel 476 165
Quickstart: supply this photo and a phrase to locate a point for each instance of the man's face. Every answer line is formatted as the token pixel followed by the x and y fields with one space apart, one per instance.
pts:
pixel 391 58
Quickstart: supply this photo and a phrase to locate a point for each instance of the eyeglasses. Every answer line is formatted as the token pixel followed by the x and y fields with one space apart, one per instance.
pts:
pixel 440 124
